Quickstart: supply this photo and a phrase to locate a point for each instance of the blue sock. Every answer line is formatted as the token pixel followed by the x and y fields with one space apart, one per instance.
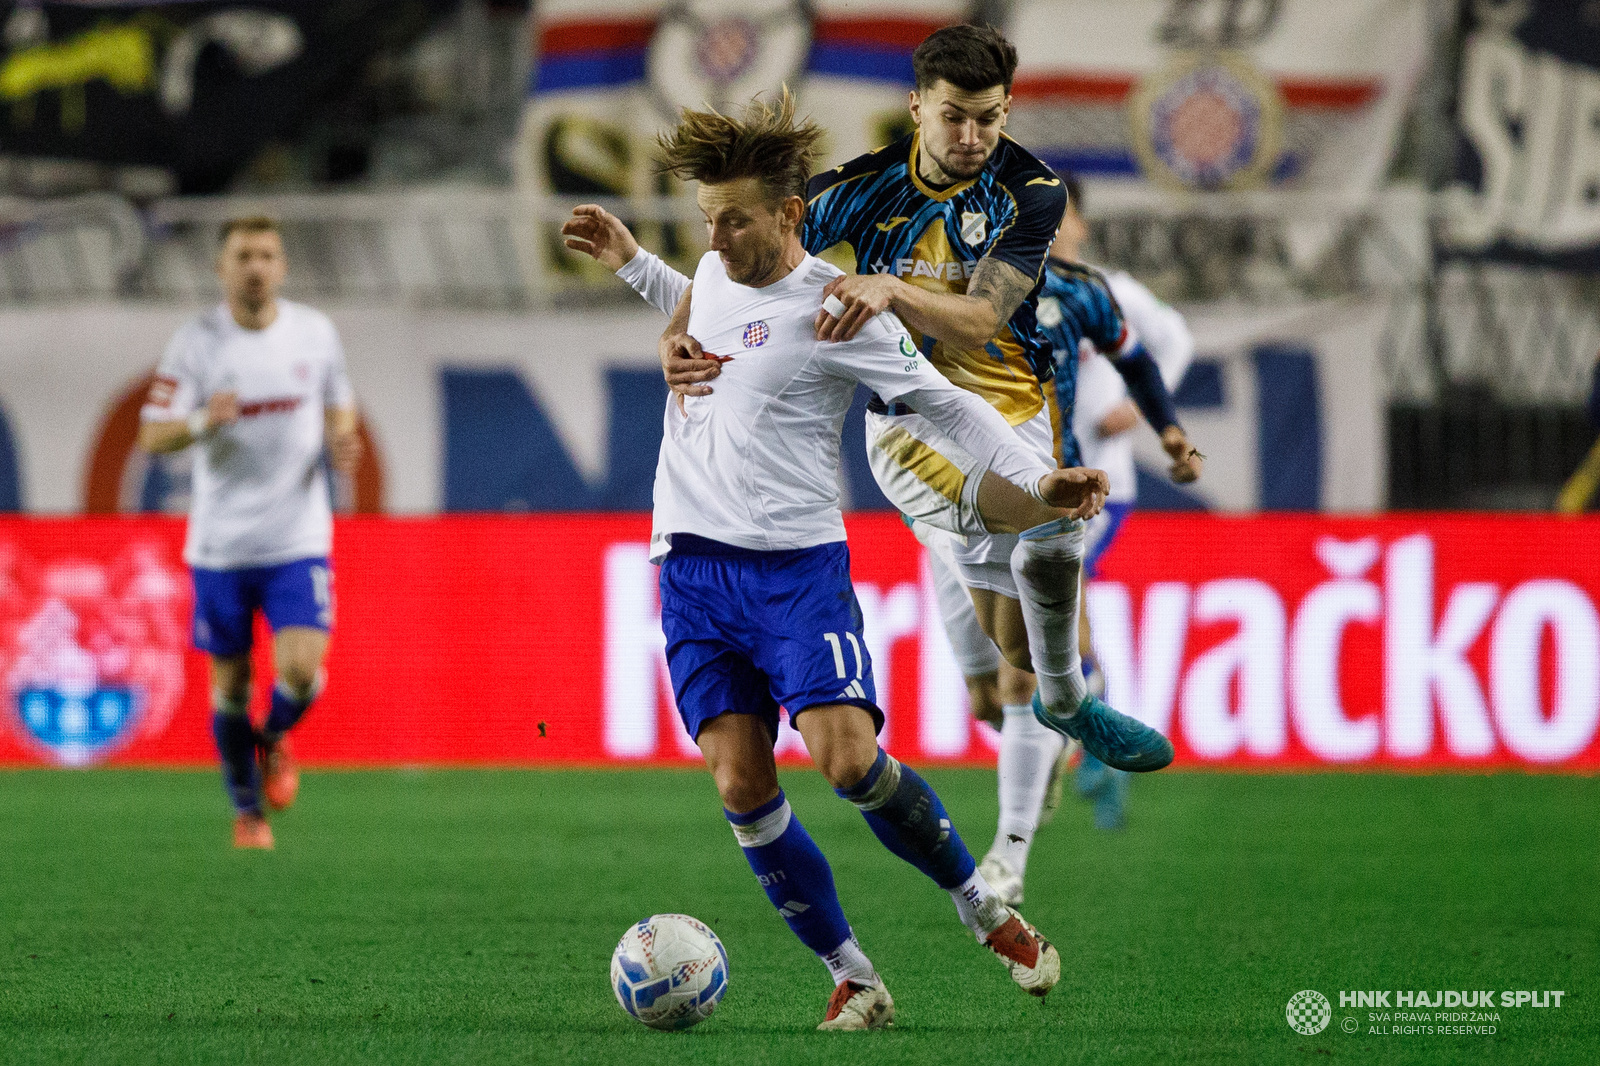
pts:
pixel 285 711
pixel 906 815
pixel 236 743
pixel 794 874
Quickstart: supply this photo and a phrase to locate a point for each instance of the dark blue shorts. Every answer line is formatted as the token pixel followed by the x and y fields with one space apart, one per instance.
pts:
pixel 299 593
pixel 1102 531
pixel 748 631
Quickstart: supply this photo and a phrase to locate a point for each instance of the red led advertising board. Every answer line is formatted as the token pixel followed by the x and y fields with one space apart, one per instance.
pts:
pixel 1432 642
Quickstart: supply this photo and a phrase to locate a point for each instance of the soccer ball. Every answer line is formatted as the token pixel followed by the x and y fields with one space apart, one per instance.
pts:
pixel 669 971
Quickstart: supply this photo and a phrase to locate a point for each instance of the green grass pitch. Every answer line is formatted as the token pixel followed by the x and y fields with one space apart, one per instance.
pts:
pixel 468 917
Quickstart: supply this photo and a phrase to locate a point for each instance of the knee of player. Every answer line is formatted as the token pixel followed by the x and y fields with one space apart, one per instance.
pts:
pixel 983 692
pixel 743 789
pixel 230 677
pixel 1014 650
pixel 846 764
pixel 299 678
pixel 745 794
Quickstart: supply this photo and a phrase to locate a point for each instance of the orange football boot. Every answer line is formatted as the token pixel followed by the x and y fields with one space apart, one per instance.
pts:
pixel 1034 962
pixel 252 831
pixel 280 778
pixel 856 1005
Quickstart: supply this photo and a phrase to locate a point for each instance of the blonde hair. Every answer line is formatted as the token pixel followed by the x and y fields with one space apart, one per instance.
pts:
pixel 764 143
pixel 248 224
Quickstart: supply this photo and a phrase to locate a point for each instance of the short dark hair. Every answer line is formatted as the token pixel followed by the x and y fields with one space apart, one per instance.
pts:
pixel 1073 186
pixel 764 143
pixel 248 224
pixel 972 58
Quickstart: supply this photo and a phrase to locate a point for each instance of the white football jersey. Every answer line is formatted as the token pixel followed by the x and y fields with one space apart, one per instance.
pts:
pixel 1100 390
pixel 260 496
pixel 756 463
pixel 1165 334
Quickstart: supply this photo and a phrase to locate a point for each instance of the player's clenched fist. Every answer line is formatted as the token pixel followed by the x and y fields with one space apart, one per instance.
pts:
pixel 862 296
pixel 598 233
pixel 344 448
pixel 686 366
pixel 1079 490
pixel 222 409
pixel 1187 462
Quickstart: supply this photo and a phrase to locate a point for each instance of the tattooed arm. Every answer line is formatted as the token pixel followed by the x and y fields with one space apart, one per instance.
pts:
pixel 963 321
pixel 1001 280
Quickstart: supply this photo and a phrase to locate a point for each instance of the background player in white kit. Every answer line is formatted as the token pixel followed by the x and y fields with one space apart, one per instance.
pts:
pixel 1084 314
pixel 259 384
pixel 1103 422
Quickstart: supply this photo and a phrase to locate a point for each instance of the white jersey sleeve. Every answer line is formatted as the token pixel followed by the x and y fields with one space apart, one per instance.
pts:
pixel 883 358
pixel 178 388
pixel 336 391
pixel 1162 329
pixel 1101 390
pixel 649 275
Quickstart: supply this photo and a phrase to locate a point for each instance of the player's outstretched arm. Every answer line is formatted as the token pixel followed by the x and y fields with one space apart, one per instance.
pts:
pixel 968 320
pixel 1008 507
pixel 1149 391
pixel 598 233
pixel 1187 462
pixel 601 235
pixel 344 438
pixel 174 435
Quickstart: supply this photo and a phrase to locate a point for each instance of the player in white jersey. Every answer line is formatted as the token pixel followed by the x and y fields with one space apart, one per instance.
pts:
pixel 258 386
pixel 756 600
pixel 976 311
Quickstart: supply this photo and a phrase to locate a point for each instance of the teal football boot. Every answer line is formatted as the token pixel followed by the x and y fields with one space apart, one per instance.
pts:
pixel 1120 742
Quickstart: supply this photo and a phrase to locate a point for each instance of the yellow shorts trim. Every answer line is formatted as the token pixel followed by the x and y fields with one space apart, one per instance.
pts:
pixel 927 465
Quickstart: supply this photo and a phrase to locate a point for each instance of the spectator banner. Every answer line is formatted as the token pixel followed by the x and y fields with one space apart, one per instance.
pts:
pixel 1213 94
pixel 194 86
pixel 608 75
pixel 1528 177
pixel 1426 642
pixel 562 412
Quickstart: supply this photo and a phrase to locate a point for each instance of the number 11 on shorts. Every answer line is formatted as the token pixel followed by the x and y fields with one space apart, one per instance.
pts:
pixel 838 652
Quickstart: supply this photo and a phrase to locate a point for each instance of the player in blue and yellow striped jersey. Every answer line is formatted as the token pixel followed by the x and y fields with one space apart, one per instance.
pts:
pixel 949 228
pixel 933 239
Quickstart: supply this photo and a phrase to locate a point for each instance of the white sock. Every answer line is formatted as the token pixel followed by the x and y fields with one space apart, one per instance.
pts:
pixel 1028 753
pixel 981 910
pixel 848 962
pixel 1047 563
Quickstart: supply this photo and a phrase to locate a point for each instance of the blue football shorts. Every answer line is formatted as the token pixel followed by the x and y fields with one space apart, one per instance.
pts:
pixel 298 593
pixel 750 631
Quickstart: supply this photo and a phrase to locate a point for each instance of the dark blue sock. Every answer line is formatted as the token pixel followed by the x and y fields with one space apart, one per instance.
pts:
pixel 906 815
pixel 236 743
pixel 285 711
pixel 793 873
